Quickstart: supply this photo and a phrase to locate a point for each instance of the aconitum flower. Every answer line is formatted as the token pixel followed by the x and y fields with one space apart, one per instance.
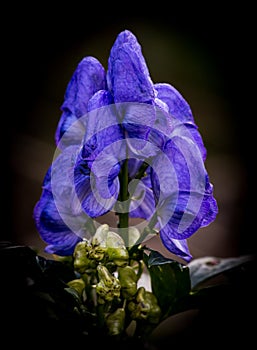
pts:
pixel 119 132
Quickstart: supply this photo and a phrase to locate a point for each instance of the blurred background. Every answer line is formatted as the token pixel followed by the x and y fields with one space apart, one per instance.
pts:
pixel 205 53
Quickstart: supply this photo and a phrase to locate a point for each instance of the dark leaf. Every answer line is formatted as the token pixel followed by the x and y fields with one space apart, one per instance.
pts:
pixel 170 281
pixel 203 269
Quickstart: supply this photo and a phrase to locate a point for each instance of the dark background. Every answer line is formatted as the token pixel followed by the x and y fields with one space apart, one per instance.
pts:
pixel 205 52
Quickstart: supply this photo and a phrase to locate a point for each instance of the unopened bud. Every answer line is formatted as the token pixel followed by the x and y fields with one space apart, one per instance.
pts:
pixel 108 286
pixel 115 322
pixel 128 281
pixel 145 307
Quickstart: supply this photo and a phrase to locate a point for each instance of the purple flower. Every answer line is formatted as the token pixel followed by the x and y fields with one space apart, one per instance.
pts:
pixel 58 214
pixel 118 120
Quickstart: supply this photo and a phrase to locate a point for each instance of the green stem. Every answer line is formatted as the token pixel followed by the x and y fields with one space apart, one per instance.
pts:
pixel 101 315
pixel 140 269
pixel 124 196
pixel 141 171
pixel 149 229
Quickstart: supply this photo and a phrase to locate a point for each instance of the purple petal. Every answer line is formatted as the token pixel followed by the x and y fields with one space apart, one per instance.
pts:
pixel 103 128
pixel 194 134
pixel 59 216
pixel 88 78
pixel 175 246
pixel 100 99
pixel 99 162
pixel 142 203
pixel 198 138
pixel 137 119
pixel 101 122
pixel 87 188
pixel 133 166
pixel 128 76
pixel 186 218
pixel 178 107
pixel 61 240
pixel 182 190
pixel 96 180
pixel 70 130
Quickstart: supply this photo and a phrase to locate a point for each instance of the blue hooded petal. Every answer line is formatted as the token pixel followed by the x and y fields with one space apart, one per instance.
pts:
pixel 128 77
pixel 61 240
pixel 58 214
pixel 88 78
pixel 175 246
pixel 134 166
pixel 185 218
pixel 102 124
pixel 180 109
pixel 97 195
pixel 183 194
pixel 137 119
pixel 193 129
pixel 99 162
pixel 128 80
pixel 142 200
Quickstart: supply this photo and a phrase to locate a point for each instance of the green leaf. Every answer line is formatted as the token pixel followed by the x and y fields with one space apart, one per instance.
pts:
pixel 170 281
pixel 203 269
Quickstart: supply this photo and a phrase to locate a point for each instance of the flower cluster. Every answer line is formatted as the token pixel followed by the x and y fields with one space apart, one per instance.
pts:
pixel 108 286
pixel 129 146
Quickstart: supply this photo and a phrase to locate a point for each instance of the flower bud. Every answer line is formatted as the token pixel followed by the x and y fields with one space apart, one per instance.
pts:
pixel 81 261
pixel 80 257
pixel 145 307
pixel 128 281
pixel 112 243
pixel 108 286
pixel 115 322
pixel 116 249
pixel 100 236
pixel 118 255
pixel 96 253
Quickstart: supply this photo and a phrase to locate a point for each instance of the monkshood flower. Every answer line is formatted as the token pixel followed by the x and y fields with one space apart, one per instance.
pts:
pixel 129 146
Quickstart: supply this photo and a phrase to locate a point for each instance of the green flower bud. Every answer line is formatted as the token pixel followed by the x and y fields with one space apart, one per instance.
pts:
pixel 112 243
pixel 115 322
pixel 105 276
pixel 133 236
pixel 96 253
pixel 116 249
pixel 81 261
pixel 108 286
pixel 128 281
pixel 77 284
pixel 145 307
pixel 100 236
pixel 119 255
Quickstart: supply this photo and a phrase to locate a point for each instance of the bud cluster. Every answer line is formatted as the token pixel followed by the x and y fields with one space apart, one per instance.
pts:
pixel 107 283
